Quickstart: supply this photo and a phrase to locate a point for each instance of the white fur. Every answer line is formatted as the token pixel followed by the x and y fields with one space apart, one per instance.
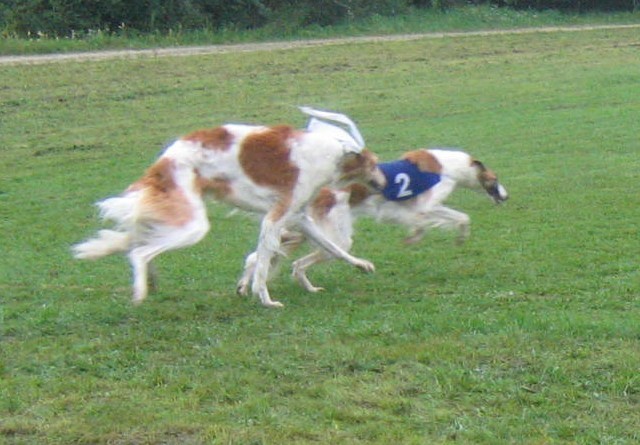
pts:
pixel 419 214
pixel 143 236
pixel 106 243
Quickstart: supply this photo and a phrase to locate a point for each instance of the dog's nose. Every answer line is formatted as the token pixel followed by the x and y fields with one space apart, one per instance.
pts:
pixel 503 192
pixel 500 194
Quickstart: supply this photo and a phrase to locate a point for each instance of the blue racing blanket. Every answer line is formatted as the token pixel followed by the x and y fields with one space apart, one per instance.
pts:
pixel 405 180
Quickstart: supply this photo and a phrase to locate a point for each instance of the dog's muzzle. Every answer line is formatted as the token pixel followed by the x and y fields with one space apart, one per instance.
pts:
pixel 378 181
pixel 498 193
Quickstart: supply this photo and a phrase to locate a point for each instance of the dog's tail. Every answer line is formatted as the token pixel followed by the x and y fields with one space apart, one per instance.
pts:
pixel 124 210
pixel 106 243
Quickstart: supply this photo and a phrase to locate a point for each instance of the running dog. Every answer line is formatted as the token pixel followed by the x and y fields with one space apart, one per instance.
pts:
pixel 273 171
pixel 416 187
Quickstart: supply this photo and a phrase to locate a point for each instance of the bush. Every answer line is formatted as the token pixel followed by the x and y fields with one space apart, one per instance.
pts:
pixel 68 17
pixel 574 5
pixel 65 17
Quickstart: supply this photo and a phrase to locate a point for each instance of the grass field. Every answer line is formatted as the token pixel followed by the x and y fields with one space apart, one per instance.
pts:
pixel 527 334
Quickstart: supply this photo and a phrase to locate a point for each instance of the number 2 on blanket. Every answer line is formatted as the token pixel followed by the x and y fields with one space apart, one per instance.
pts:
pixel 404 180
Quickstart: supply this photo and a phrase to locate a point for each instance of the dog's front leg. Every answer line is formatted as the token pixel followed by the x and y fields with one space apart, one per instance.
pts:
pixel 268 245
pixel 425 213
pixel 289 241
pixel 242 287
pixel 440 217
pixel 456 220
pixel 310 229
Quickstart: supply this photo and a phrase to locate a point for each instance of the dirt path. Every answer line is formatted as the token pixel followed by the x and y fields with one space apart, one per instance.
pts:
pixel 272 46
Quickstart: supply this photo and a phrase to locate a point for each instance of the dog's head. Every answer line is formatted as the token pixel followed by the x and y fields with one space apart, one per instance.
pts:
pixel 362 168
pixel 488 180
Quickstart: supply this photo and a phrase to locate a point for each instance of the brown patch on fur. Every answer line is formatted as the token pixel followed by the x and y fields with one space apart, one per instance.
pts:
pixel 219 188
pixel 425 161
pixel 162 198
pixel 158 177
pixel 357 194
pixel 485 176
pixel 264 156
pixel 213 138
pixel 323 203
pixel 477 164
pixel 357 166
pixel 281 208
pixel 489 176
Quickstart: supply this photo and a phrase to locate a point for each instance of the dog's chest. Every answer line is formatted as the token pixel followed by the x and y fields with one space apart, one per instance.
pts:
pixel 405 180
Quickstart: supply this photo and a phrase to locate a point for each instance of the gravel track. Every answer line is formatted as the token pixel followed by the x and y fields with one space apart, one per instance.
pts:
pixel 283 45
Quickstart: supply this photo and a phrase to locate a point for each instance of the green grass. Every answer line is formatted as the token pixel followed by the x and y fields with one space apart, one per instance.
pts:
pixel 416 21
pixel 527 334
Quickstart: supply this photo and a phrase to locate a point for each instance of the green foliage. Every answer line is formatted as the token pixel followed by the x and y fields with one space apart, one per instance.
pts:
pixel 573 5
pixel 527 334
pixel 425 20
pixel 65 18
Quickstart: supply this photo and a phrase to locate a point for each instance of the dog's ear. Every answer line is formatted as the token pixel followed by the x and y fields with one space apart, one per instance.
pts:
pixel 478 164
pixel 351 164
pixel 361 159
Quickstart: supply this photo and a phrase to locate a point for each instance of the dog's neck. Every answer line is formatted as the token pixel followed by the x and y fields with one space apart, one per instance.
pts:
pixel 458 165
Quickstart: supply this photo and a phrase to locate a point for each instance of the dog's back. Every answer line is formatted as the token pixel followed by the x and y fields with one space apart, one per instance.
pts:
pixel 418 212
pixel 273 171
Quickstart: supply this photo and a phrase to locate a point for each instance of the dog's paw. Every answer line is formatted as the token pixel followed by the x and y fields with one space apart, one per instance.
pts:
pixel 413 239
pixel 463 234
pixel 366 266
pixel 139 295
pixel 137 301
pixel 314 289
pixel 272 304
pixel 302 279
pixel 242 289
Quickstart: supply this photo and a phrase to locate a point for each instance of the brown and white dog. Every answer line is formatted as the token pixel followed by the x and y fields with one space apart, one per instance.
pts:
pixel 274 171
pixel 417 186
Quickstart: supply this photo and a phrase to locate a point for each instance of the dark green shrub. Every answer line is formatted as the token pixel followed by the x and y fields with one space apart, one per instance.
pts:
pixel 68 17
pixel 572 5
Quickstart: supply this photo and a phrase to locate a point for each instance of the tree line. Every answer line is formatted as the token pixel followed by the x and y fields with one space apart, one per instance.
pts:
pixel 64 18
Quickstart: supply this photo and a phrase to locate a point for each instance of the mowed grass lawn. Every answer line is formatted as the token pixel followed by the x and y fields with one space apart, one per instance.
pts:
pixel 527 334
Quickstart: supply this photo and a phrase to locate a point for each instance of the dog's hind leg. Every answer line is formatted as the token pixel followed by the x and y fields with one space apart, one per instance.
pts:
pixel 301 265
pixel 242 288
pixel 152 279
pixel 139 258
pixel 164 238
pixel 289 242
pixel 268 246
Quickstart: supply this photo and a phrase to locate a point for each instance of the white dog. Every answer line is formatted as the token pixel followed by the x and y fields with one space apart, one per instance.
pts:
pixel 274 171
pixel 417 186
